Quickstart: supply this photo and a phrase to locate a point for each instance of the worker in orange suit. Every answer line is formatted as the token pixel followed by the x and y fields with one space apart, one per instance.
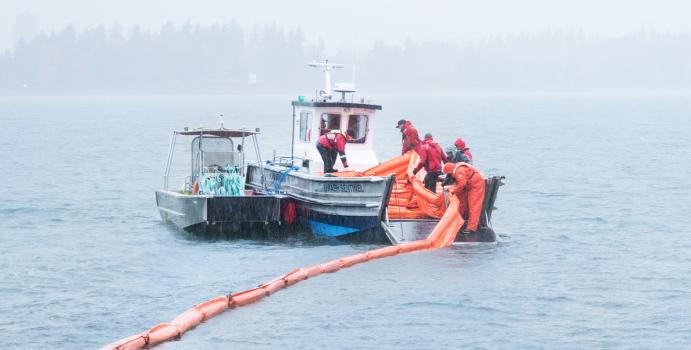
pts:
pixel 470 189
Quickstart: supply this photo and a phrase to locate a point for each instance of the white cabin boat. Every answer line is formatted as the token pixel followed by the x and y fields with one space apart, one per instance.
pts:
pixel 326 112
pixel 329 205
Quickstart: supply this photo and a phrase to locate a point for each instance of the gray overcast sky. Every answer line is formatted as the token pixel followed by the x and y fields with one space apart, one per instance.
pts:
pixel 357 23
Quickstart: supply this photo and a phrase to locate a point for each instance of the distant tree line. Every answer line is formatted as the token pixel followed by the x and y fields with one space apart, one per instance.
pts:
pixel 548 61
pixel 224 57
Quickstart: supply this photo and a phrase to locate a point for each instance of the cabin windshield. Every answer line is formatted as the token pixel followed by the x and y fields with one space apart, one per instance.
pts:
pixel 218 153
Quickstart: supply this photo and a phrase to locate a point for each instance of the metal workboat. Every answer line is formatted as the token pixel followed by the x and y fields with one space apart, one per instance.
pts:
pixel 213 196
pixel 345 207
pixel 409 230
pixel 333 206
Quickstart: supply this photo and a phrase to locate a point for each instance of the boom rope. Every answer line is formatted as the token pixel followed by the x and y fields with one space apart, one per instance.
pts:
pixel 281 178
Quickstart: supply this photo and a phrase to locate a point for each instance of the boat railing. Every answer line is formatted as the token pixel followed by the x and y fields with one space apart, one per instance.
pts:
pixel 287 161
pixel 215 148
pixel 222 159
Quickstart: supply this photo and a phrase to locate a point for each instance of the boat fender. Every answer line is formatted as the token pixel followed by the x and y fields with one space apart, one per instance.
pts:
pixel 289 213
pixel 195 187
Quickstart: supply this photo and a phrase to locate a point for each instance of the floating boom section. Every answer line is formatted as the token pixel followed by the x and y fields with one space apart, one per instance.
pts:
pixel 409 197
pixel 417 202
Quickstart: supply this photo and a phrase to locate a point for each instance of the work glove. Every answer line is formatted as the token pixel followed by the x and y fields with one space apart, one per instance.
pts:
pixel 415 171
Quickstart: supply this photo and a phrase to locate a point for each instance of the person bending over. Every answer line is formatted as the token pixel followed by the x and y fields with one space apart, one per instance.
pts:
pixel 470 190
pixel 330 146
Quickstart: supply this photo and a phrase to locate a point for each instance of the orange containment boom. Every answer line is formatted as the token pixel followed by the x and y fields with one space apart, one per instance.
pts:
pixel 441 236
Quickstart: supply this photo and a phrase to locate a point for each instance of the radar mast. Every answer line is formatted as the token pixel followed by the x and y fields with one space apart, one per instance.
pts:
pixel 325 94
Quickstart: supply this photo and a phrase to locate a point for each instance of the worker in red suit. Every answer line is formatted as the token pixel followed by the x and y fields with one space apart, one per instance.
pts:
pixel 330 146
pixel 411 139
pixel 461 147
pixel 431 157
pixel 470 190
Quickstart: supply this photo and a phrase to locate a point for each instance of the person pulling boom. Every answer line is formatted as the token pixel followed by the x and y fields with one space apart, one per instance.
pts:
pixel 470 190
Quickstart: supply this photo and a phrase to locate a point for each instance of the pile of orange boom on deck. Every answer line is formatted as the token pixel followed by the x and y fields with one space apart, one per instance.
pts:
pixel 409 200
pixel 409 197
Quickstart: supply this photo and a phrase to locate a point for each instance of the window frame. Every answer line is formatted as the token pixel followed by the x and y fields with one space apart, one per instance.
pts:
pixel 365 136
pixel 306 129
pixel 326 129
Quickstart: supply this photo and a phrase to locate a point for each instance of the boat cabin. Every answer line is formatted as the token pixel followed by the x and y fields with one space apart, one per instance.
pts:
pixel 324 113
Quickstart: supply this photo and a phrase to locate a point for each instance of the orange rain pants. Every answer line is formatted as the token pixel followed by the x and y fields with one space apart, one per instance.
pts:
pixel 470 189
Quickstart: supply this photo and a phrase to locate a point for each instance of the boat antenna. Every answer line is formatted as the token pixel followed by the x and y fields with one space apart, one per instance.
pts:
pixel 326 68
pixel 352 96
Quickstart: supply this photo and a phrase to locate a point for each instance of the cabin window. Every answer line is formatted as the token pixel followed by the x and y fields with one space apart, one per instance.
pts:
pixel 305 126
pixel 329 122
pixel 358 125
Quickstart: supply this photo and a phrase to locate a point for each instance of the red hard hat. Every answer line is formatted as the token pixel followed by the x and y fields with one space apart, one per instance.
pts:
pixel 459 143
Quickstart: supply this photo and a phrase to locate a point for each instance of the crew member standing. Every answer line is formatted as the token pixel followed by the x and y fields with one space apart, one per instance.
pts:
pixel 461 147
pixel 411 139
pixel 330 146
pixel 431 156
pixel 470 190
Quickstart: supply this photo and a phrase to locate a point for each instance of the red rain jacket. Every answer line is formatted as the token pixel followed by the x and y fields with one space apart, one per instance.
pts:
pixel 410 137
pixel 333 141
pixel 460 145
pixel 431 156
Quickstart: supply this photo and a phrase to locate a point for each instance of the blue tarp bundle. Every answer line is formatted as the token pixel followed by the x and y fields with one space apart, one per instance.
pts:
pixel 226 183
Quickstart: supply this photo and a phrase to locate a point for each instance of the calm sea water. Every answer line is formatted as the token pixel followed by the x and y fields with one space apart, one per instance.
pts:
pixel 596 250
